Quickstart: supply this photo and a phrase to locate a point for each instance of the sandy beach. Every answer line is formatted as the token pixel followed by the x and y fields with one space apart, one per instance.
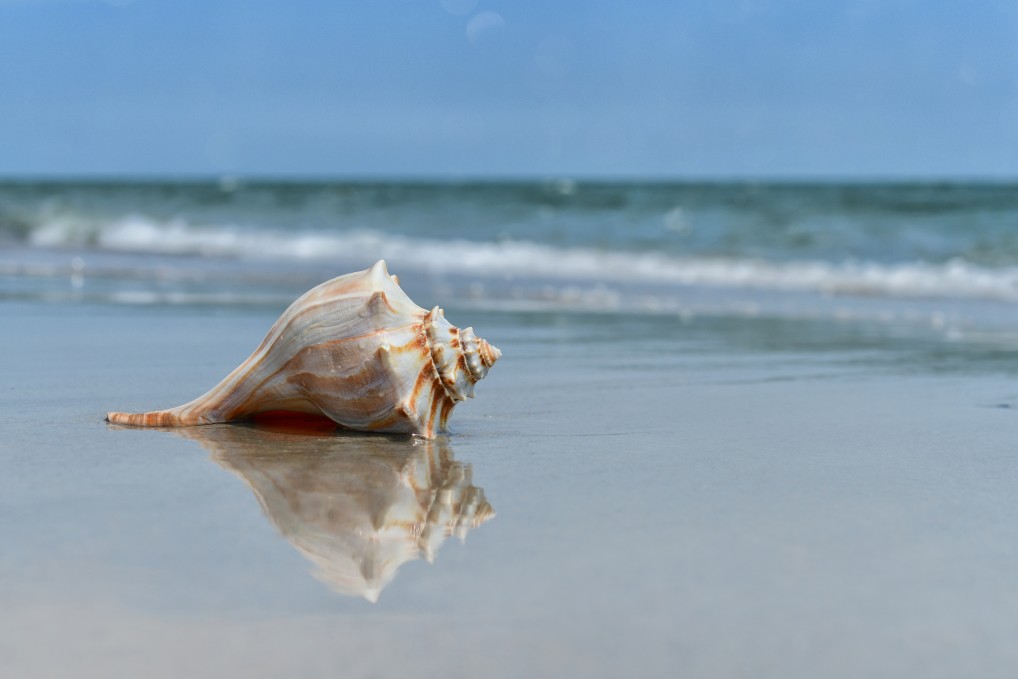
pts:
pixel 663 497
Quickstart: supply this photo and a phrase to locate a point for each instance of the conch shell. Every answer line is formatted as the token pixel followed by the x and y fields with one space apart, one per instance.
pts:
pixel 356 507
pixel 355 349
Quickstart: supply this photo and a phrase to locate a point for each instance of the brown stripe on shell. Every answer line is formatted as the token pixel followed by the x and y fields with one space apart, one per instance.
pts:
pixel 446 382
pixel 426 376
pixel 447 405
pixel 155 418
pixel 437 393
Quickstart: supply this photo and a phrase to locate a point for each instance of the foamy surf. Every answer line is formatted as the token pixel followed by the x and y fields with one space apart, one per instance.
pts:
pixel 521 260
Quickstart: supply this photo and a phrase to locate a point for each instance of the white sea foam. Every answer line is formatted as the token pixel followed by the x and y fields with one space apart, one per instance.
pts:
pixel 529 260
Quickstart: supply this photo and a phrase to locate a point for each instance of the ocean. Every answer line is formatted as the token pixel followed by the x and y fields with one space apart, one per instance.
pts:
pixel 737 429
pixel 559 244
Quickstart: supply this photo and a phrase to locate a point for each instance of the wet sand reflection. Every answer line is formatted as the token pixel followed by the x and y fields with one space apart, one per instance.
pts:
pixel 356 506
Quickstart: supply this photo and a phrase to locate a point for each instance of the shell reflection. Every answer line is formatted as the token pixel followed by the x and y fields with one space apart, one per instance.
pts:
pixel 358 507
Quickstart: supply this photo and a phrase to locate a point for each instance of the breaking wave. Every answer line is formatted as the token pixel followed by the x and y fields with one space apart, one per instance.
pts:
pixel 529 260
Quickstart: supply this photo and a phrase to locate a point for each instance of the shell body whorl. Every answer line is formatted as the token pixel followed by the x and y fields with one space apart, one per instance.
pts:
pixel 355 349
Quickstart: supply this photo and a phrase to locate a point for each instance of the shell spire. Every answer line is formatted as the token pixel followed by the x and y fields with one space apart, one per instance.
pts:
pixel 355 349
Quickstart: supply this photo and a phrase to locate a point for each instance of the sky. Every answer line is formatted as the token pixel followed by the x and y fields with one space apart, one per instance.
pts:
pixel 528 88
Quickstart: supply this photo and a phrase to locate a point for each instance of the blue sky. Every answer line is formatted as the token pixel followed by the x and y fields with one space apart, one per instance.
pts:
pixel 464 88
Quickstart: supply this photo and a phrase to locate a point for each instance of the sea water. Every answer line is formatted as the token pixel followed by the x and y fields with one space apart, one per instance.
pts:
pixel 557 243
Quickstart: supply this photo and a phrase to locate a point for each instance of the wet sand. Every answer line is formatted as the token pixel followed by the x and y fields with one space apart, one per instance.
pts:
pixel 664 499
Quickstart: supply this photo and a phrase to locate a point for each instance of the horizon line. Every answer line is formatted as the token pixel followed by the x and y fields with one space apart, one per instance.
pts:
pixel 493 178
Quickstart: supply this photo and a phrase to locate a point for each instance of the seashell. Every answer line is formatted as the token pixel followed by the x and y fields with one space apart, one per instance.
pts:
pixel 358 508
pixel 355 349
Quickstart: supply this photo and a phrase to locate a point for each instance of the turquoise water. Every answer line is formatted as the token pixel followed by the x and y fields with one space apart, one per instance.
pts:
pixel 882 223
pixel 939 255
